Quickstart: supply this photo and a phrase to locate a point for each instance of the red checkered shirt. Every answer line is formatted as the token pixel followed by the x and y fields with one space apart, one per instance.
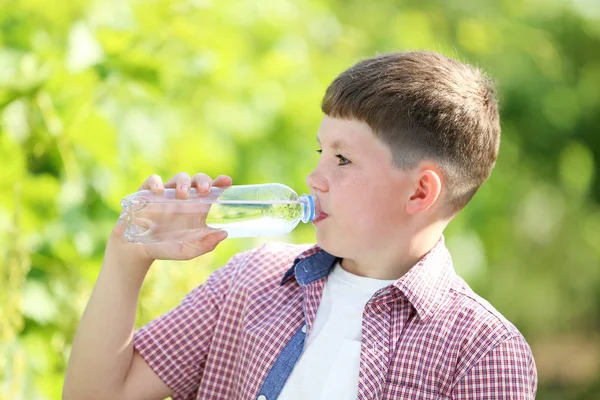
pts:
pixel 427 336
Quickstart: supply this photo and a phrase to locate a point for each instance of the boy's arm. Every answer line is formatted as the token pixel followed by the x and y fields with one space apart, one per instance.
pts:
pixel 102 363
pixel 506 372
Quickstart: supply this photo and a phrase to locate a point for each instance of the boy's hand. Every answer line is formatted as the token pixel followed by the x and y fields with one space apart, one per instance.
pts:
pixel 174 250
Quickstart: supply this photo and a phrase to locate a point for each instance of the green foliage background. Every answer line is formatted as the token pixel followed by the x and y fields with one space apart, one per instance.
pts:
pixel 97 95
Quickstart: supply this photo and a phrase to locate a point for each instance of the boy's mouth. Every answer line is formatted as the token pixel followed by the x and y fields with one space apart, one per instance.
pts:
pixel 320 218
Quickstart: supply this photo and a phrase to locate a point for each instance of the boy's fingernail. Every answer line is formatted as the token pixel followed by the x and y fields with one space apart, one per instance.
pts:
pixel 184 188
pixel 205 185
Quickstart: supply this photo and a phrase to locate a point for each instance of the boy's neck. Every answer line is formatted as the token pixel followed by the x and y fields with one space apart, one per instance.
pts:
pixel 398 261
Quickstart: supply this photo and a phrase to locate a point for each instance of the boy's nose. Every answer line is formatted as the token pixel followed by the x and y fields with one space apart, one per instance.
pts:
pixel 315 181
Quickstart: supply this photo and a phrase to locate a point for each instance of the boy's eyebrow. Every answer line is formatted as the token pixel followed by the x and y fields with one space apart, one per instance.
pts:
pixel 336 145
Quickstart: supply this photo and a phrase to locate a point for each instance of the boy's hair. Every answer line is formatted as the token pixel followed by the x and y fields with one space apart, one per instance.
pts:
pixel 425 107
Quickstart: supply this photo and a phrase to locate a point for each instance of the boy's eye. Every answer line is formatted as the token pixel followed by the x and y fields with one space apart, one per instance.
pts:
pixel 343 160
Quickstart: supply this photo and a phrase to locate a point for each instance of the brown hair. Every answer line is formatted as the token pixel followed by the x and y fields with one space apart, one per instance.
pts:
pixel 425 107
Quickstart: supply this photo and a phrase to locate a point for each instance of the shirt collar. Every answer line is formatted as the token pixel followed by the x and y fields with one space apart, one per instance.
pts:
pixel 425 285
pixel 311 265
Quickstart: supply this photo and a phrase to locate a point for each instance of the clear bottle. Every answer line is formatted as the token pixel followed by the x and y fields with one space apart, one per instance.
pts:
pixel 243 211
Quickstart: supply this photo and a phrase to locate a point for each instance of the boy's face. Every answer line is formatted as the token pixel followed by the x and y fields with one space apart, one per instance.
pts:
pixel 360 190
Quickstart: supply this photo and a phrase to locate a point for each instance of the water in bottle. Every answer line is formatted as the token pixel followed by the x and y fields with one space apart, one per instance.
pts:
pixel 243 211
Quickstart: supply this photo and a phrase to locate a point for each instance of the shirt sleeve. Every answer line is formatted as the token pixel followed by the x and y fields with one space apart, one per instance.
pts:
pixel 507 372
pixel 176 344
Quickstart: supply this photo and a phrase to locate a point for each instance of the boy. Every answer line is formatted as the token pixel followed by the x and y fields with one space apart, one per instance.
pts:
pixel 374 311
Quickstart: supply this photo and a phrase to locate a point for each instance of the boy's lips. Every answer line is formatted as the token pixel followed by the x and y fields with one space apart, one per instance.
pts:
pixel 320 218
pixel 321 215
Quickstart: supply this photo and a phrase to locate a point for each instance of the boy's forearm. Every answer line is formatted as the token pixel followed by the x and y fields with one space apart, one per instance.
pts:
pixel 103 349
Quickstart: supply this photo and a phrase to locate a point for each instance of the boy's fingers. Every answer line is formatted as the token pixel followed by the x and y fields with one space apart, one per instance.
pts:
pixel 202 183
pixel 153 183
pixel 211 241
pixel 181 182
pixel 223 181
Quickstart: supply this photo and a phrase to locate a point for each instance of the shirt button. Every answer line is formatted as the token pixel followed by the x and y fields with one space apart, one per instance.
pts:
pixel 262 397
pixel 303 331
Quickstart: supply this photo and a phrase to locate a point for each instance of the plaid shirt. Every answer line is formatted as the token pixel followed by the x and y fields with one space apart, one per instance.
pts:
pixel 428 336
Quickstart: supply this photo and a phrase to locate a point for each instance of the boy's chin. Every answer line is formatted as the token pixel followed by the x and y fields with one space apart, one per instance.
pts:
pixel 333 247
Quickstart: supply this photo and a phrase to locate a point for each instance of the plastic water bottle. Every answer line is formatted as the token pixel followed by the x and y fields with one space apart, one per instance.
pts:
pixel 243 211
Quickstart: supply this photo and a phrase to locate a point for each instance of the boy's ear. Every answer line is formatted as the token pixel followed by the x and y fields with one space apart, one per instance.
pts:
pixel 426 192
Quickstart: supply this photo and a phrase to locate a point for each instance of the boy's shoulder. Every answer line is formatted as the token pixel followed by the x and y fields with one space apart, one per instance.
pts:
pixel 475 311
pixel 462 310
pixel 475 327
pixel 269 262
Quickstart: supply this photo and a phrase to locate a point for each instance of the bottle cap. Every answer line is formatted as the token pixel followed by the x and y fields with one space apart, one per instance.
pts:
pixel 310 211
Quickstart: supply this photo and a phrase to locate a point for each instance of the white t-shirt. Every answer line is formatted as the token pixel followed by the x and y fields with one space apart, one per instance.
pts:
pixel 328 368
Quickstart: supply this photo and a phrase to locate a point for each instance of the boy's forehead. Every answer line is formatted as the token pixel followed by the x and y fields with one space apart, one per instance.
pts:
pixel 354 138
pixel 337 143
pixel 336 132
